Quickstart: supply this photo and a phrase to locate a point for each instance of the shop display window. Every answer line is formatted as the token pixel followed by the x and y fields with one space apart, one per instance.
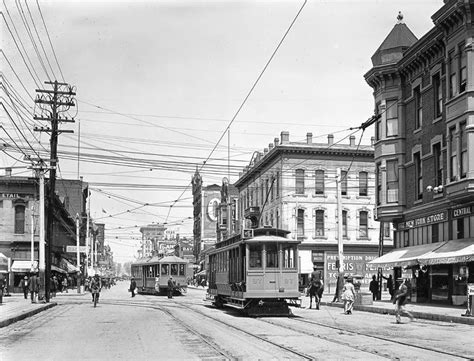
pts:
pixel 440 283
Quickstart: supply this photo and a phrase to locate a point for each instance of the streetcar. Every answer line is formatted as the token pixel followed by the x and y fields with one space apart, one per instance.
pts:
pixel 152 274
pixel 256 272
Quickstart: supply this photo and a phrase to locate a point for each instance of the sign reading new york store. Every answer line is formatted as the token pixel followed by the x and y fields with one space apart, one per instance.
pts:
pixel 438 217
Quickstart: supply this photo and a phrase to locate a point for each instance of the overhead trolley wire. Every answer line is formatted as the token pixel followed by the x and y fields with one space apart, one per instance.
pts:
pixel 248 95
pixel 50 43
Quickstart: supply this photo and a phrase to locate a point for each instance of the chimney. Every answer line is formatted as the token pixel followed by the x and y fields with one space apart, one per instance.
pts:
pixel 270 146
pixel 8 172
pixel 276 141
pixel 265 151
pixel 330 139
pixel 285 137
pixel 309 138
pixel 352 141
pixel 372 141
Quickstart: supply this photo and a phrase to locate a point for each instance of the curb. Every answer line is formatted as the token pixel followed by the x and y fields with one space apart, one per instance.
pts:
pixel 416 314
pixel 22 316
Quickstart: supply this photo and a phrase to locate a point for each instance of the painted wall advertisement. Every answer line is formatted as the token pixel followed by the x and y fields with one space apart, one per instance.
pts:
pixel 354 264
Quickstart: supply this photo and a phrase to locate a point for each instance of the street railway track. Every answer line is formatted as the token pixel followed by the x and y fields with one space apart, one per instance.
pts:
pixel 341 330
pixel 205 338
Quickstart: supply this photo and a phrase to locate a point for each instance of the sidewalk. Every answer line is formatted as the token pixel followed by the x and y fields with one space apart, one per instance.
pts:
pixel 15 308
pixel 427 311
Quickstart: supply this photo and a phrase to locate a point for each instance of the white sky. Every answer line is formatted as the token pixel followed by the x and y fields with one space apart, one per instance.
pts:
pixel 180 70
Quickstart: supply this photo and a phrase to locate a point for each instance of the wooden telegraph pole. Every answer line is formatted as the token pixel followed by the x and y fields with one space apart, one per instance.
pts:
pixel 54 105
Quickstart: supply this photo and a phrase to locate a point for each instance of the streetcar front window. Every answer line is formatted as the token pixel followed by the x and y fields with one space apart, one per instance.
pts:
pixel 164 270
pixel 272 255
pixel 174 269
pixel 255 257
pixel 182 270
pixel 289 256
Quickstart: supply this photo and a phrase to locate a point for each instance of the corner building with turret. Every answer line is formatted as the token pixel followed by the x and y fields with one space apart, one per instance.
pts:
pixel 424 152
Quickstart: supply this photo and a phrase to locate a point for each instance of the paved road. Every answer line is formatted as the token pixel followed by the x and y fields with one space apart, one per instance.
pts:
pixel 151 328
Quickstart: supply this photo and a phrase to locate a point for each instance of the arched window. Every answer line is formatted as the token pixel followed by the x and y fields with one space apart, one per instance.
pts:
pixel 300 223
pixel 319 223
pixel 363 224
pixel 299 181
pixel 19 219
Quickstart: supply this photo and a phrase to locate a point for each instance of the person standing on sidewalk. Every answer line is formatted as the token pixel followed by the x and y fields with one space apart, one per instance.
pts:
pixel 390 285
pixel 400 300
pixel 33 285
pixel 374 288
pixel 348 296
pixel 133 286
pixel 24 284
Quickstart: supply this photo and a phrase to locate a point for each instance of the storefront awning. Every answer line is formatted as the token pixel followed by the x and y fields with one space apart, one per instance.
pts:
pixel 3 263
pixel 24 266
pixel 455 251
pixel 405 257
pixel 202 273
pixel 57 269
pixel 70 268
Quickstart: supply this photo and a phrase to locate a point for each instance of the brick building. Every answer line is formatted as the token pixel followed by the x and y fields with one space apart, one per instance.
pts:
pixel 424 146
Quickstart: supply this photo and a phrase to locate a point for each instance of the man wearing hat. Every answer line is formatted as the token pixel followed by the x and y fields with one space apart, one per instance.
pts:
pixel 24 285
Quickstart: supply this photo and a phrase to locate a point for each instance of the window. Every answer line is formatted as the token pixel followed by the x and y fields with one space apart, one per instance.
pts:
pixel 452 75
pixel 182 270
pixel 460 228
pixel 19 219
pixel 271 189
pixel 256 196
pixel 344 224
pixel 418 107
pixel 164 270
pixel 174 269
pixel 289 256
pixel 392 118
pixel 438 95
pixel 255 258
pixel 418 175
pixel 434 233
pixel 344 183
pixel 386 229
pixel 462 70
pixel 453 169
pixel 319 180
pixel 392 181
pixel 378 124
pixel 363 224
pixel 300 223
pixel 319 223
pixel 363 184
pixel 277 218
pixel 272 255
pixel 379 183
pixel 299 184
pixel 277 188
pixel 438 164
pixel 463 160
pixel 266 191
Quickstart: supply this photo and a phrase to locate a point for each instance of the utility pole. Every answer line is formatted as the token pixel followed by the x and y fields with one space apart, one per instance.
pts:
pixel 32 237
pixel 88 238
pixel 379 270
pixel 78 254
pixel 340 246
pixel 53 103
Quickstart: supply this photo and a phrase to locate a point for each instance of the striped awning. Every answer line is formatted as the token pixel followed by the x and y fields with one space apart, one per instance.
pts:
pixel 407 256
pixel 455 251
pixel 22 266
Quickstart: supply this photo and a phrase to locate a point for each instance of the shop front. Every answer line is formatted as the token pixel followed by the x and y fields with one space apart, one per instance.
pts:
pixel 20 269
pixel 438 272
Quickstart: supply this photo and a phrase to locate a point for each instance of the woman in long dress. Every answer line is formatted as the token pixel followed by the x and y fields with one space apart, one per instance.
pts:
pixel 348 296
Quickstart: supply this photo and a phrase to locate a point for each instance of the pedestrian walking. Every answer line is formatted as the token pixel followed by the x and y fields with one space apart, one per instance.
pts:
pixel 24 284
pixel 33 286
pixel 374 288
pixel 65 284
pixel 390 285
pixel 171 285
pixel 133 286
pixel 348 296
pixel 400 300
